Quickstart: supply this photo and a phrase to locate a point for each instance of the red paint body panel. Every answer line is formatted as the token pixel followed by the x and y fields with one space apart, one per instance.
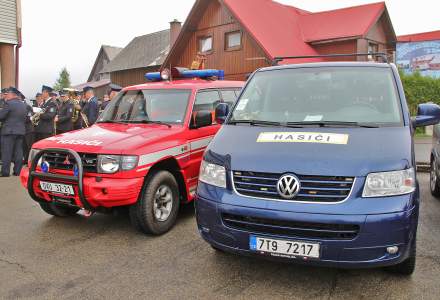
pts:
pixel 153 143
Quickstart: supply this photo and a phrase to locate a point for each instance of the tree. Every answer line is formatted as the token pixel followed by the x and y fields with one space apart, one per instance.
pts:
pixel 63 80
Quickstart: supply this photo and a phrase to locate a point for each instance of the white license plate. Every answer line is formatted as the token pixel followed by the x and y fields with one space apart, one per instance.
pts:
pixel 57 188
pixel 284 248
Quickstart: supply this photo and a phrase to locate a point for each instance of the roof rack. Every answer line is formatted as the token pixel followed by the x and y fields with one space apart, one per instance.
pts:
pixel 384 56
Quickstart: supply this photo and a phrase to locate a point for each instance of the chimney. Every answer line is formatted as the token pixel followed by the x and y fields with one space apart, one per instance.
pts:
pixel 175 27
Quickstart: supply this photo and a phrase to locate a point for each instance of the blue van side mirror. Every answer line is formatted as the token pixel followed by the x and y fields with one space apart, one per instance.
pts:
pixel 427 114
pixel 221 112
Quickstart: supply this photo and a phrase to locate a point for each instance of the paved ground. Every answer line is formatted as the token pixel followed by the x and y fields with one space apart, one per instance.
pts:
pixel 102 257
pixel 423 149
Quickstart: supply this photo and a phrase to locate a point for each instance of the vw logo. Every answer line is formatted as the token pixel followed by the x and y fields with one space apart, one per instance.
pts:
pixel 288 186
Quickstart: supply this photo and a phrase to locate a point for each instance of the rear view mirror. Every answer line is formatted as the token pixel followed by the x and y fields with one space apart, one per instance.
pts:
pixel 427 114
pixel 221 112
pixel 202 118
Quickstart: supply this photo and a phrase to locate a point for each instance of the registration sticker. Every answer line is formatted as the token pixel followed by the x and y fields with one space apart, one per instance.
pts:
pixel 303 137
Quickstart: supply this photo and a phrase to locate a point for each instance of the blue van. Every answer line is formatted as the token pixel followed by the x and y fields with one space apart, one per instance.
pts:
pixel 315 164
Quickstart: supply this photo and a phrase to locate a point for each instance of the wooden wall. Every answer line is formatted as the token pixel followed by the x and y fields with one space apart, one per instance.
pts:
pixel 216 22
pixel 132 76
pixel 342 47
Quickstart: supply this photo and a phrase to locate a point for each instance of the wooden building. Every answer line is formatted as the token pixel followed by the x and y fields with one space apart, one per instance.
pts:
pixel 143 54
pixel 105 55
pixel 240 36
pixel 10 42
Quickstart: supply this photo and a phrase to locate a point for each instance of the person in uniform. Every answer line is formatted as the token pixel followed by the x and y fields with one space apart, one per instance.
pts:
pixel 2 104
pixel 78 107
pixel 13 116
pixel 91 107
pixel 45 127
pixel 114 90
pixel 28 138
pixel 55 99
pixel 38 99
pixel 65 113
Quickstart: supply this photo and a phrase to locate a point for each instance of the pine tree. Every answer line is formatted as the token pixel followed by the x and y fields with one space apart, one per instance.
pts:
pixel 63 80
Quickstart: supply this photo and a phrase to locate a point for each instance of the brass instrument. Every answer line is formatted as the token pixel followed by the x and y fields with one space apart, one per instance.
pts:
pixel 85 119
pixel 35 119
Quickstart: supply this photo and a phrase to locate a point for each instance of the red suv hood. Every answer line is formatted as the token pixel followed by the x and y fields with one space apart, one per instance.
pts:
pixel 111 138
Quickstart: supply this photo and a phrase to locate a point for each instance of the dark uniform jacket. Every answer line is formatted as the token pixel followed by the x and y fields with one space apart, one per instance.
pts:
pixel 13 117
pixel 28 123
pixel 46 120
pixel 65 115
pixel 91 110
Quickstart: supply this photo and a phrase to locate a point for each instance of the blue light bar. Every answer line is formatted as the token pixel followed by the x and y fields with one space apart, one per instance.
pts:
pixel 153 76
pixel 220 74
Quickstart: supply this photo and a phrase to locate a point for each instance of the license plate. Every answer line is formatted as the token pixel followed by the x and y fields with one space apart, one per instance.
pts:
pixel 284 248
pixel 57 188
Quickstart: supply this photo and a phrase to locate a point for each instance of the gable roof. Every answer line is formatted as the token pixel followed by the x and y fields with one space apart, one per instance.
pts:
pixel 282 30
pixel 420 37
pixel 110 52
pixel 143 51
pixel 341 23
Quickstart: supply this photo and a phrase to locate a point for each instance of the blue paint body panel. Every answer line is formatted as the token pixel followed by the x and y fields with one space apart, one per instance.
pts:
pixel 381 222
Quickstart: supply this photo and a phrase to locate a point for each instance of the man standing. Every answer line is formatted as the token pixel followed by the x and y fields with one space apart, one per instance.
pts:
pixel 13 116
pixel 45 127
pixel 90 110
pixel 114 90
pixel 2 104
pixel 28 138
pixel 65 113
pixel 39 99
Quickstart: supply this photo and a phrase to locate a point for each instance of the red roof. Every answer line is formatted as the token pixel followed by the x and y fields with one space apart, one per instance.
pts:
pixel 283 30
pixel 341 23
pixel 420 37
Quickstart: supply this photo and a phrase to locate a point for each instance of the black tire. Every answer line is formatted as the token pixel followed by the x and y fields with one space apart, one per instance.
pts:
pixel 434 181
pixel 58 211
pixel 408 266
pixel 142 213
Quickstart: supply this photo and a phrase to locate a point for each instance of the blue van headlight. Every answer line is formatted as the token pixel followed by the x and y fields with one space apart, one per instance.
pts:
pixel 213 174
pixel 389 183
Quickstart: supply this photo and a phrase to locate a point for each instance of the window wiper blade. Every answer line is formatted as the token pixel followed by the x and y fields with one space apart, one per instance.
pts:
pixel 150 122
pixel 255 122
pixel 333 124
pixel 111 122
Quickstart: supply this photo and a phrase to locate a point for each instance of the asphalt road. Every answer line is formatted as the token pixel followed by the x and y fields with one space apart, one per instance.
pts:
pixel 103 257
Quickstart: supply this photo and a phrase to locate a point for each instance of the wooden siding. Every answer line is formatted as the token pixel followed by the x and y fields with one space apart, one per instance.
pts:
pixel 131 77
pixel 342 47
pixel 8 22
pixel 216 22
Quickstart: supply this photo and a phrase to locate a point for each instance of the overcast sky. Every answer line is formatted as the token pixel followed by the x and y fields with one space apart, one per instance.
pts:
pixel 69 33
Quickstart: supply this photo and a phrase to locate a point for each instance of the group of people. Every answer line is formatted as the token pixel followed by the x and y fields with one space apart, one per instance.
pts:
pixel 55 113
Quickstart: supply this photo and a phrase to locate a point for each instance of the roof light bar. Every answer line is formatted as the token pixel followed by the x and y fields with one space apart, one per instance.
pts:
pixel 185 73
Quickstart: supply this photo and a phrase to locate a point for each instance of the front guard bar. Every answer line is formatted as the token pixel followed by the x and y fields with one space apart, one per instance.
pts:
pixel 50 176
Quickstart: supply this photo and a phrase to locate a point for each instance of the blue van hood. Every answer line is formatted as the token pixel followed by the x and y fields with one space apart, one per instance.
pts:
pixel 367 150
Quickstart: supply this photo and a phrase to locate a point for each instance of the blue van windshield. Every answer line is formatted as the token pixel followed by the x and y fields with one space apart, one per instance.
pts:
pixel 366 95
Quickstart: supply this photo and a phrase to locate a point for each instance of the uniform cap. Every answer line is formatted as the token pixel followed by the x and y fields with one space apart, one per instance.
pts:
pixel 87 88
pixel 115 87
pixel 53 94
pixel 12 89
pixel 46 88
pixel 38 95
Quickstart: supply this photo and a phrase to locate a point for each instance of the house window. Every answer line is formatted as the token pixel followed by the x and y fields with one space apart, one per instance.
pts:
pixel 372 48
pixel 233 40
pixel 205 44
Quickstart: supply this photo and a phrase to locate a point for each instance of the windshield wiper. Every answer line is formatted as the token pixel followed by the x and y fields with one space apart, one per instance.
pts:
pixel 112 122
pixel 332 124
pixel 264 123
pixel 149 122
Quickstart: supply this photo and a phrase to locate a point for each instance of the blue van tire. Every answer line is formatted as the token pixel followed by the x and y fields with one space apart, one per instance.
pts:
pixel 434 182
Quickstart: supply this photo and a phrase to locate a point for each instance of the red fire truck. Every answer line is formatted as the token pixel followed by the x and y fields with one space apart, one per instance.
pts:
pixel 144 152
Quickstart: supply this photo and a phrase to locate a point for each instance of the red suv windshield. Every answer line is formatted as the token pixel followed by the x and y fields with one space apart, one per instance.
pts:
pixel 168 106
